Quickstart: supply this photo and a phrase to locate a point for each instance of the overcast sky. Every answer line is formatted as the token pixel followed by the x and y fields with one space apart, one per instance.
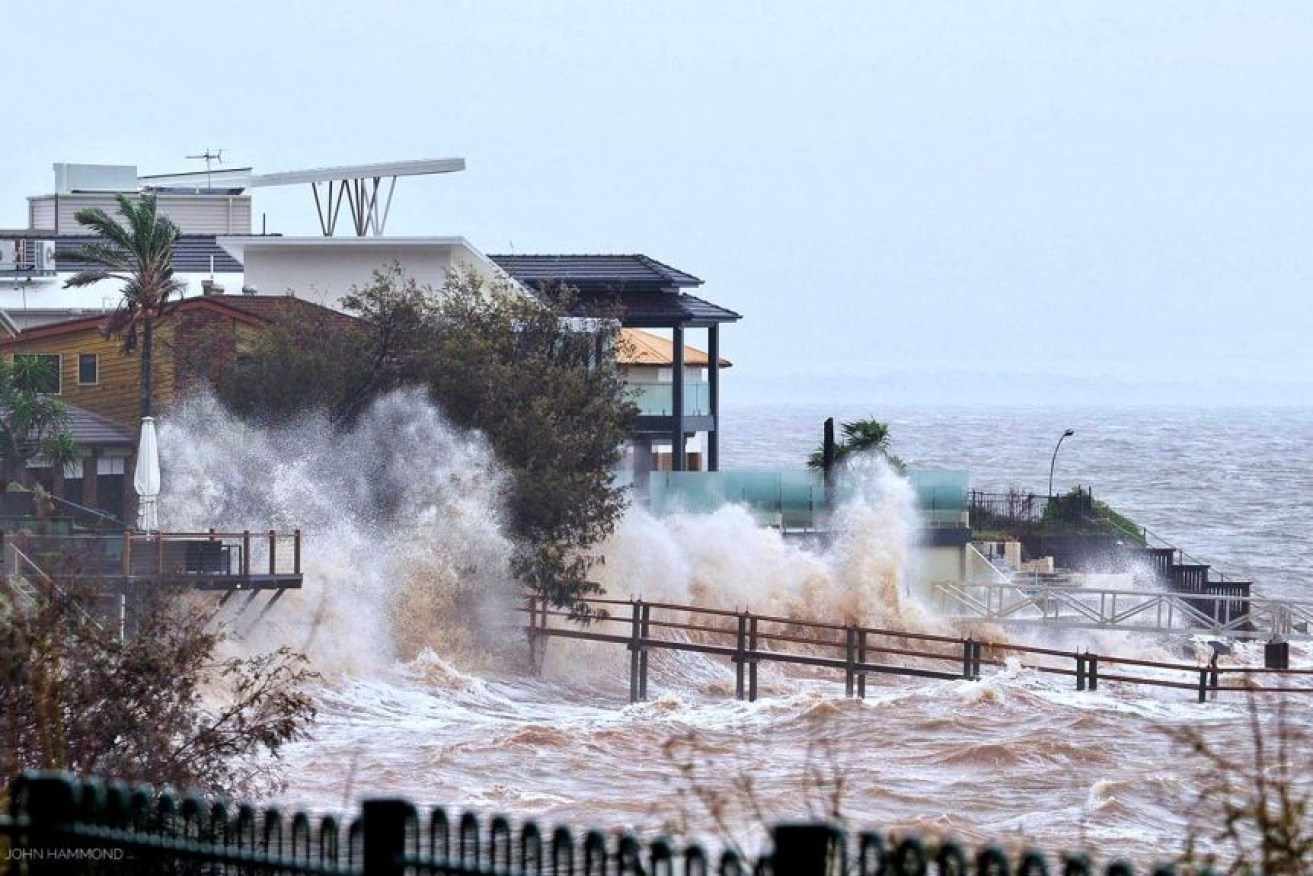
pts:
pixel 952 201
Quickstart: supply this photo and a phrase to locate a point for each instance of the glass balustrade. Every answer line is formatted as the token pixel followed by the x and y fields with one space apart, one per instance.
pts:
pixel 658 399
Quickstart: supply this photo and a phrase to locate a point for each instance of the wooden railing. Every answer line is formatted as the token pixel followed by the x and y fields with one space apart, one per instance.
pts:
pixel 862 653
pixel 239 554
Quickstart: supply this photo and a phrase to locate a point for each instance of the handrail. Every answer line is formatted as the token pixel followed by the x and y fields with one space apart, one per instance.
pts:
pixel 101 514
pixel 743 645
pixel 65 598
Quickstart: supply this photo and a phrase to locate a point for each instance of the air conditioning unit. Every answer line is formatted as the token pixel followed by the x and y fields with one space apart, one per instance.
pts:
pixel 45 255
pixel 8 255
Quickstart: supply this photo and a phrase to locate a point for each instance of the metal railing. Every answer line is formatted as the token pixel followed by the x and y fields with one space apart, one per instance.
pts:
pixel 58 824
pixel 1151 611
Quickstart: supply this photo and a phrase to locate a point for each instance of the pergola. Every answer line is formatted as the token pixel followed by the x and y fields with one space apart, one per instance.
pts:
pixel 650 296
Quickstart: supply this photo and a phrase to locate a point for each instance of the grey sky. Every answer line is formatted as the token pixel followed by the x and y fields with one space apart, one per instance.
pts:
pixel 904 200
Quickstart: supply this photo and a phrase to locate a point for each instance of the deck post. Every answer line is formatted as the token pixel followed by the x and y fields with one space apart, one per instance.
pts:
pixel 1080 671
pixel 273 552
pixel 966 659
pixel 1203 685
pixel 246 553
pixel 296 551
pixel 642 654
pixel 1092 670
pixel 977 649
pixel 635 634
pixel 740 657
pixel 752 660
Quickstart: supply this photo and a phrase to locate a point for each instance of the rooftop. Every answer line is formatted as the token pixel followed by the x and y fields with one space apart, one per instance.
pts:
pixel 192 253
pixel 646 290
pixel 638 347
pixel 593 272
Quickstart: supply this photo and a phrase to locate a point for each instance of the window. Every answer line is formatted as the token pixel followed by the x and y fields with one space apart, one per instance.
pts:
pixel 88 369
pixel 38 372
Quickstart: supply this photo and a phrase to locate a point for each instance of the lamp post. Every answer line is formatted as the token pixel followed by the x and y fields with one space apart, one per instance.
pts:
pixel 1054 461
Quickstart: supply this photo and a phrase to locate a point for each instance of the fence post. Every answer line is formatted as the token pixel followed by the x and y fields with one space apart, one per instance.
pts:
pixel 273 552
pixel 752 660
pixel 849 662
pixel 740 656
pixel 383 829
pixel 296 552
pixel 635 634
pixel 977 648
pixel 642 654
pixel 1080 671
pixel 807 850
pixel 861 658
pixel 966 659
pixel 246 553
pixel 1092 670
pixel 534 659
pixel 52 807
pixel 1203 685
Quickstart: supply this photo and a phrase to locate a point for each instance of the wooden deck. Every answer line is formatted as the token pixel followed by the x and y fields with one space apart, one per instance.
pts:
pixel 113 574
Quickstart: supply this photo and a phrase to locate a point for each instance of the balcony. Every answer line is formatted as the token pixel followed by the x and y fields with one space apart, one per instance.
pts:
pixel 658 399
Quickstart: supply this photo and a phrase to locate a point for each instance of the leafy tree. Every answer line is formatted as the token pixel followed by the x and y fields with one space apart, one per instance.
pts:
pixel 545 388
pixel 32 423
pixel 139 252
pixel 160 707
pixel 860 436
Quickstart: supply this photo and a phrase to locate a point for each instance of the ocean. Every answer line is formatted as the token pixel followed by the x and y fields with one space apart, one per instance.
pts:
pixel 425 691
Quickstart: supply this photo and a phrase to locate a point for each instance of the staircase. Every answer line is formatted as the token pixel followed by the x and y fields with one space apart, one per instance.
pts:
pixel 1217 597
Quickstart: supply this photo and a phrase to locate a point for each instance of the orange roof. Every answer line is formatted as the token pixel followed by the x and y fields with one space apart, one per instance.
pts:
pixel 638 347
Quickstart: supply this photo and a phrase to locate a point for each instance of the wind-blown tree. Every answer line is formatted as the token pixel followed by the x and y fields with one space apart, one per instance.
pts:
pixel 860 436
pixel 139 252
pixel 32 423
pixel 546 390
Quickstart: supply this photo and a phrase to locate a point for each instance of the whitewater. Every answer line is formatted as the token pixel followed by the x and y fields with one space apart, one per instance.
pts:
pixel 409 614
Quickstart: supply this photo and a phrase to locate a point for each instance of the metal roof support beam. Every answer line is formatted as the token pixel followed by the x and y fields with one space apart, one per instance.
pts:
pixel 362 197
pixel 678 455
pixel 328 209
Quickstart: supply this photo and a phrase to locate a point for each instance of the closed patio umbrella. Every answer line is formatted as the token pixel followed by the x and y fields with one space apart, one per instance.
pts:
pixel 146 479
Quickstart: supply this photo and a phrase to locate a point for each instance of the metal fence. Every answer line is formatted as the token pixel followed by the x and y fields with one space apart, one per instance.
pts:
pixel 60 825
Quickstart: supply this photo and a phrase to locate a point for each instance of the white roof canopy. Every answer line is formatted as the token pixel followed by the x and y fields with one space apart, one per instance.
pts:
pixel 360 185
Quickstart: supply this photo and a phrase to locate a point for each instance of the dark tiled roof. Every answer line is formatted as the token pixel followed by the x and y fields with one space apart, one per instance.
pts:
pixel 653 309
pixel 587 272
pixel 93 430
pixel 644 288
pixel 191 254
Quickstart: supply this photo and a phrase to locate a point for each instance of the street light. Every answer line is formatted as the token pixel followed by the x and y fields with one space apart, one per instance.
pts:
pixel 1054 461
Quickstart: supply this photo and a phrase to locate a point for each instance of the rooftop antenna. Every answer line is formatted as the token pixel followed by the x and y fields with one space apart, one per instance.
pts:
pixel 207 156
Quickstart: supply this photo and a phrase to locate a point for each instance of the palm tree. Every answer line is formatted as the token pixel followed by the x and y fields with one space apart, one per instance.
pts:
pixel 138 251
pixel 32 423
pixel 860 436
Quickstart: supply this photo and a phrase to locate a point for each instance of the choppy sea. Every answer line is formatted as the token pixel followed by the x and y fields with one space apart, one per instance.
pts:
pixel 423 697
